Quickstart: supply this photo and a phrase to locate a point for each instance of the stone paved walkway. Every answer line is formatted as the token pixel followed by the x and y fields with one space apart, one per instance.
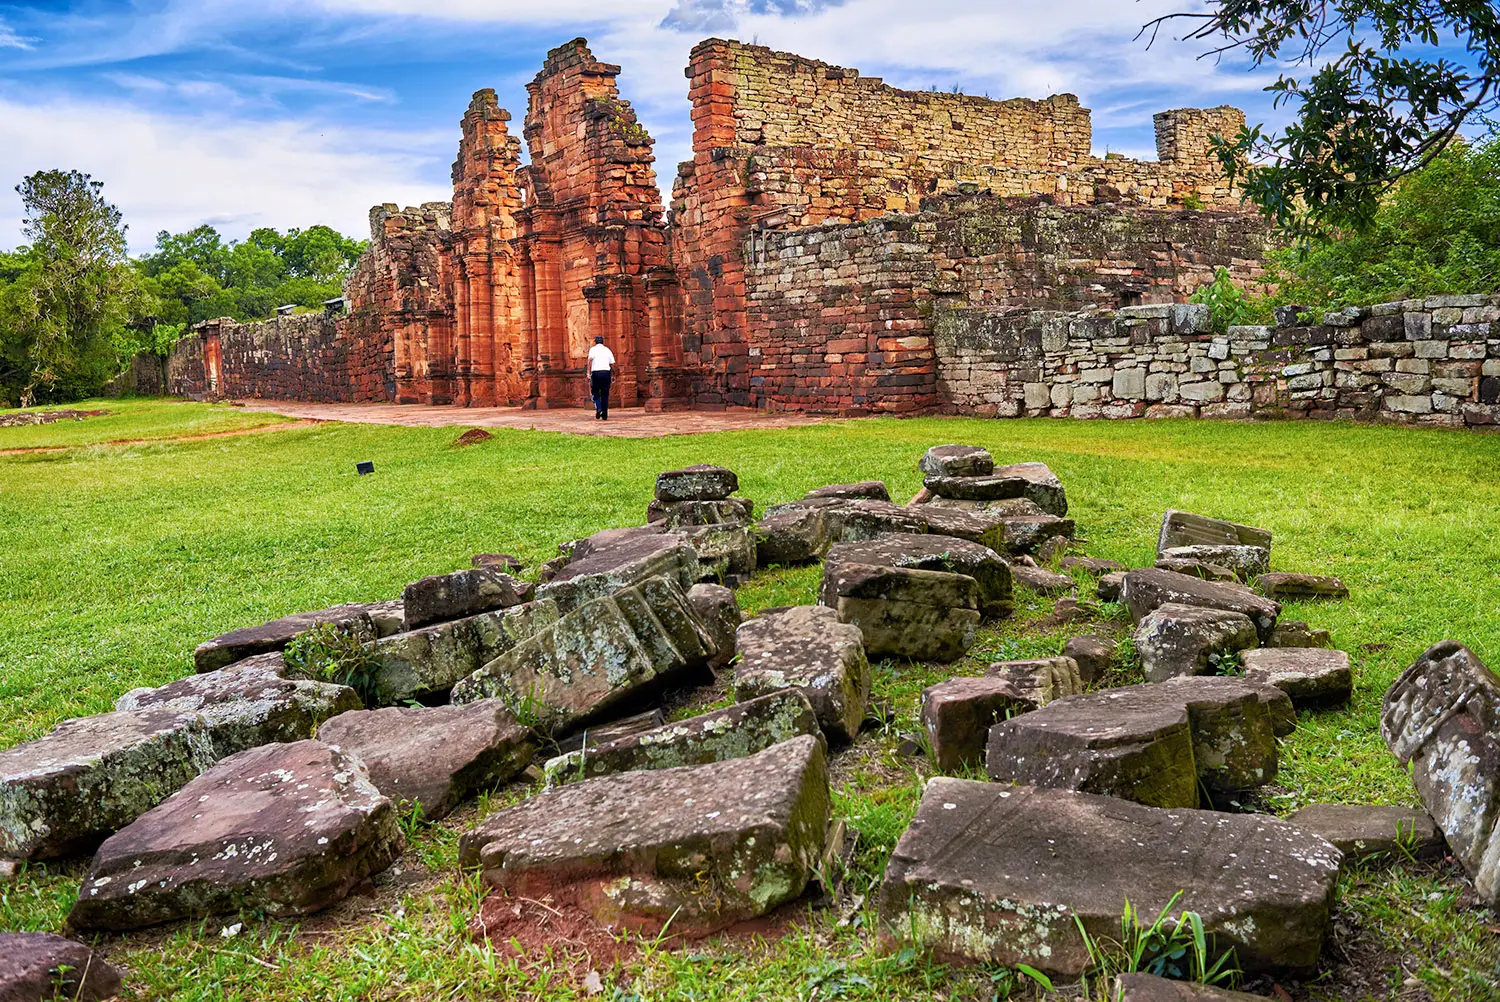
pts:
pixel 627 422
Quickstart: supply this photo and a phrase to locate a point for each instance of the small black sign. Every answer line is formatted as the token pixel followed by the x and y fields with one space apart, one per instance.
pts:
pixel 365 467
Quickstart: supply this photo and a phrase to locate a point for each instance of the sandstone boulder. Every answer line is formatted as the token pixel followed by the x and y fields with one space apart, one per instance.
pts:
pixel 717 736
pixel 39 967
pixel 288 829
pixel 1012 526
pixel 1300 587
pixel 867 490
pixel 700 847
pixel 434 756
pixel 1039 681
pixel 1442 715
pixel 956 461
pixel 463 593
pixel 609 561
pixel 506 563
pixel 927 615
pixel 675 514
pixel 248 704
pixel 1093 655
pixel 1241 562
pixel 1361 831
pixel 696 483
pixel 931 553
pixel 1183 639
pixel 792 534
pixel 65 792
pixel 228 648
pixel 1004 875
pixel 1181 528
pixel 726 553
pixel 719 611
pixel 430 661
pixel 992 487
pixel 1041 580
pixel 1295 633
pixel 1149 589
pixel 1197 568
pixel 957 716
pixel 1150 988
pixel 807 648
pixel 1042 486
pixel 1111 587
pixel 1311 676
pixel 597 657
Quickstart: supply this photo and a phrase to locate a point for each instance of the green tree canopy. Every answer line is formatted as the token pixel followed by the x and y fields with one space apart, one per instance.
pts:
pixel 1376 105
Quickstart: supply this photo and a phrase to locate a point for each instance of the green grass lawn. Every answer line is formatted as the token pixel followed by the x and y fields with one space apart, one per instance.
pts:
pixel 115 560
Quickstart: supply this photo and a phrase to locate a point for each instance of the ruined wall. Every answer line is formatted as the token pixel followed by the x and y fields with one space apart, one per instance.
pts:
pixel 310 356
pixel 1428 362
pixel 841 315
pixel 785 143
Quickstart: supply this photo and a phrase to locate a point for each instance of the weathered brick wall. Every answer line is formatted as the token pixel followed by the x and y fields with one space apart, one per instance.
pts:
pixel 839 317
pixel 306 357
pixel 1427 362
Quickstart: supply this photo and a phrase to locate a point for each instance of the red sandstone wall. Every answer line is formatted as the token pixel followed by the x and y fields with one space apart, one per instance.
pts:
pixel 306 357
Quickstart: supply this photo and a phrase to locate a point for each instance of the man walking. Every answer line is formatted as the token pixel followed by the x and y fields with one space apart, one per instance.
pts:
pixel 601 359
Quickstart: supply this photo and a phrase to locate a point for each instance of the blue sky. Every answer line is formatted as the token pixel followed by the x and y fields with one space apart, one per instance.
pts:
pixel 245 113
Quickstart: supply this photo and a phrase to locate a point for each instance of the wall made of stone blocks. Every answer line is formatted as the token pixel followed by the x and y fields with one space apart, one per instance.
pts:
pixel 1424 362
pixel 313 357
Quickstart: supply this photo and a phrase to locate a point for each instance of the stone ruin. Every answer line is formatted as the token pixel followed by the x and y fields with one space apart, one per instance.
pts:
pixel 260 785
pixel 813 250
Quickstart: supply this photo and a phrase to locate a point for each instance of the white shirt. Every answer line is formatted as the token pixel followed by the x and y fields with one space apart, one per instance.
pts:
pixel 600 358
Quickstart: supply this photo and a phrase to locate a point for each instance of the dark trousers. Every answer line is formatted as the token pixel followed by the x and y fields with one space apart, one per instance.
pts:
pixel 599 390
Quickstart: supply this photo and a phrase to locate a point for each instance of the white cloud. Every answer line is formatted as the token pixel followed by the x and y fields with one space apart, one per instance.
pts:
pixel 10 40
pixel 175 172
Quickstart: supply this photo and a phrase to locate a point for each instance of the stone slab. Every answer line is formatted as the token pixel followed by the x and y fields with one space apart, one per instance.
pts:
pixel 287 829
pixel 1242 562
pixel 1311 676
pixel 807 648
pixel 901 612
pixel 696 483
pixel 1361 831
pixel 675 514
pixel 717 736
pixel 868 490
pixel 700 847
pixel 1042 486
pixel 1182 528
pixel 1093 655
pixel 1178 640
pixel 1149 588
pixel 473 590
pixel 956 461
pixel 434 755
pixel 430 661
pixel 40 967
pixel 924 551
pixel 1041 580
pixel 792 534
pixel 235 645
pixel 609 561
pixel 1039 681
pixel 957 716
pixel 1003 875
pixel 1286 587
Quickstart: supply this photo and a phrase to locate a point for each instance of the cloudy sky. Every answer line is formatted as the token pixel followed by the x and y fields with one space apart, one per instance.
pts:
pixel 245 113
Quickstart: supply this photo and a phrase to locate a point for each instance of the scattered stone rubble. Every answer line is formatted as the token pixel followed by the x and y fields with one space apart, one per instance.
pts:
pixel 249 786
pixel 38 966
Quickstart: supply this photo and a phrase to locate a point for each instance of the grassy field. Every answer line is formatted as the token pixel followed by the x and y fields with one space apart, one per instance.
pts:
pixel 115 560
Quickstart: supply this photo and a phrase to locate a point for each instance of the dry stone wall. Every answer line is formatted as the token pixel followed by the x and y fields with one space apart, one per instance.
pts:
pixel 308 357
pixel 1428 362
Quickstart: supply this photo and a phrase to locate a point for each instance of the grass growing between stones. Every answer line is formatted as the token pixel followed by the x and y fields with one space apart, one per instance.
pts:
pixel 115 560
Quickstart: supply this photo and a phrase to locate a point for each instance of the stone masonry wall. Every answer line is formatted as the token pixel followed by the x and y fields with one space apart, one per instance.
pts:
pixel 307 357
pixel 1426 362
pixel 840 317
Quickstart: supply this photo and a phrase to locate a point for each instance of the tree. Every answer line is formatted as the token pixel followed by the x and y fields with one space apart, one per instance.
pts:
pixel 1382 108
pixel 76 290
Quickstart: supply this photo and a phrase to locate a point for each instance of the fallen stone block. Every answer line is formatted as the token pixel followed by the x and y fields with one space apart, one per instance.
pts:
pixel 1004 875
pixel 1015 526
pixel 956 461
pixel 65 792
pixel 266 638
pixel 928 552
pixel 39 967
pixel 1111 587
pixel 1197 568
pixel 607 562
pixel 597 657
pixel 430 661
pixel 1093 566
pixel 435 756
pixel 1154 743
pixel 1300 587
pixel 792 535
pixel 1184 640
pixel 675 514
pixel 1041 581
pixel 867 490
pixel 1039 681
pixel 726 553
pixel 1150 988
pixel 696 483
pixel 1042 486
pixel 700 847
pixel 1361 831
pixel 1181 528
pixel 957 716
pixel 1149 589
pixel 855 520
pixel 992 487
pixel 387 617
pixel 1295 633
pixel 1442 715
pixel 444 597
pixel 506 563
pixel 248 704
pixel 1311 676
pixel 807 648
pixel 718 610
pixel 927 615
pixel 1093 655
pixel 288 829
pixel 1241 562
pixel 717 736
